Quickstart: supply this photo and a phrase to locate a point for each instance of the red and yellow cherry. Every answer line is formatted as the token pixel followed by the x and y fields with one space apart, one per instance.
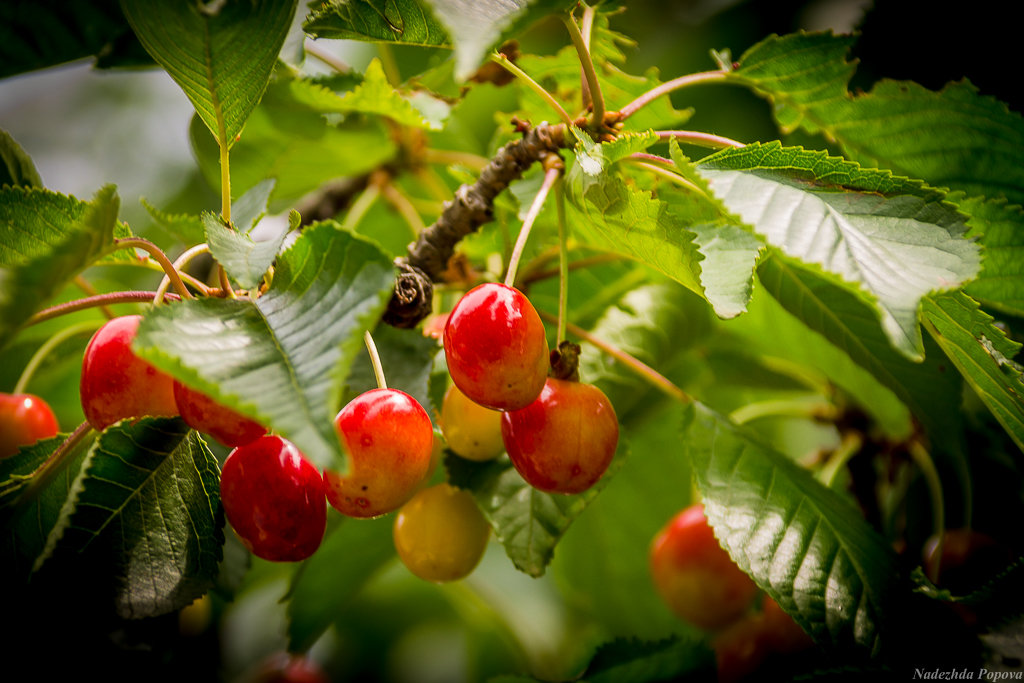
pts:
pixel 472 431
pixel 24 419
pixel 564 441
pixel 203 414
pixel 695 576
pixel 274 499
pixel 495 346
pixel 388 438
pixel 440 534
pixel 117 384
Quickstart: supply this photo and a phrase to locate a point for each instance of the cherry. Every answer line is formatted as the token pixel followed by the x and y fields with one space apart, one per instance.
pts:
pixel 389 441
pixel 440 534
pixel 285 667
pixel 274 499
pixel 24 419
pixel 695 576
pixel 784 635
pixel 472 431
pixel 748 643
pixel 495 346
pixel 203 414
pixel 564 441
pixel 116 383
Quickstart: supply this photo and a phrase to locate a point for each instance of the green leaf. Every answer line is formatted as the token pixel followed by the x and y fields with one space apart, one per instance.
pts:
pixel 893 239
pixel 527 522
pixel 247 210
pixel 185 227
pixel 25 532
pixel 244 259
pixel 803 544
pixel 46 239
pixel 982 354
pixel 17 167
pixel 146 506
pixel 953 138
pixel 282 358
pixel 349 556
pixel 375 95
pixel 631 661
pixel 221 54
pixel 407 22
pixel 1000 228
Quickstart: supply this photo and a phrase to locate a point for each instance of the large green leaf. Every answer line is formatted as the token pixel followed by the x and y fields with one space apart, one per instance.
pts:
pixel 527 522
pixel 146 509
pixel 952 138
pixel 893 239
pixel 282 358
pixel 408 22
pixel 46 239
pixel 982 354
pixel 349 556
pixel 221 54
pixel 1000 227
pixel 806 546
pixel 16 167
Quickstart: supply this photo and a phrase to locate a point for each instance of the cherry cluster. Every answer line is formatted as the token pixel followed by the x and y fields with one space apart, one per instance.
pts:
pixel 560 434
pixel 703 586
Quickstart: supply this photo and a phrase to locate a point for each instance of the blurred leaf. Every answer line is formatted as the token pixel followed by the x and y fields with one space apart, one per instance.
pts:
pixel 280 359
pixel 221 54
pixel 245 260
pixel 46 239
pixel 17 167
pixel 351 553
pixel 407 22
pixel 185 227
pixel 953 138
pixel 1000 228
pixel 633 661
pixel 808 548
pixel 982 354
pixel 376 96
pixel 527 522
pixel 893 239
pixel 146 506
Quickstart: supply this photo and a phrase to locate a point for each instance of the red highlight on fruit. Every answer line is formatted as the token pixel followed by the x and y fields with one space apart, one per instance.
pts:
pixel 203 414
pixel 496 348
pixel 695 575
pixel 24 419
pixel 116 384
pixel 564 441
pixel 274 499
pixel 389 440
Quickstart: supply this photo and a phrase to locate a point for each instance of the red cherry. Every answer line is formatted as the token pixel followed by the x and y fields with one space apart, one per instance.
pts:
pixel 784 635
pixel 495 346
pixel 695 576
pixel 24 419
pixel 389 441
pixel 116 383
pixel 284 667
pixel 274 499
pixel 203 414
pixel 564 441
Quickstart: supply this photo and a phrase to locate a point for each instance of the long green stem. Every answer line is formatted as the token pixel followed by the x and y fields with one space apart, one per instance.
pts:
pixel 225 183
pixel 94 301
pixel 923 459
pixel 597 116
pixel 665 88
pixel 52 466
pixel 405 208
pixel 533 85
pixel 360 206
pixel 326 57
pixel 782 408
pixel 695 137
pixel 378 369
pixel 550 176
pixel 847 448
pixel 473 162
pixel 389 64
pixel 47 347
pixel 161 258
pixel 563 263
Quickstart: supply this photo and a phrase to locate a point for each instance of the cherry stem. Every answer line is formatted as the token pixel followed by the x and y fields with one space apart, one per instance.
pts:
pixel 669 86
pixel 389 64
pixel 848 447
pixel 698 138
pixel 646 372
pixel 783 408
pixel 596 98
pixel 474 162
pixel 667 174
pixel 533 85
pixel 94 301
pixel 161 258
pixel 378 369
pixel 47 347
pixel 326 57
pixel 360 207
pixel 89 290
pixel 404 207
pixel 563 263
pixel 225 283
pixel 180 264
pixel 52 466
pixel 550 176
pixel 923 459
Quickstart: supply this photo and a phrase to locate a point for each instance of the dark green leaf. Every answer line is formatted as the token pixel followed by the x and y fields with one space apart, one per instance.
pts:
pixel 408 22
pixel 1000 227
pixel 146 504
pixel 282 358
pixel 16 167
pixel 807 547
pixel 245 260
pixel 46 239
pixel 221 54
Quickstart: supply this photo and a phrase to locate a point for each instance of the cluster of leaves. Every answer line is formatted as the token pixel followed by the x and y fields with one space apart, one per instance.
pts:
pixel 758 276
